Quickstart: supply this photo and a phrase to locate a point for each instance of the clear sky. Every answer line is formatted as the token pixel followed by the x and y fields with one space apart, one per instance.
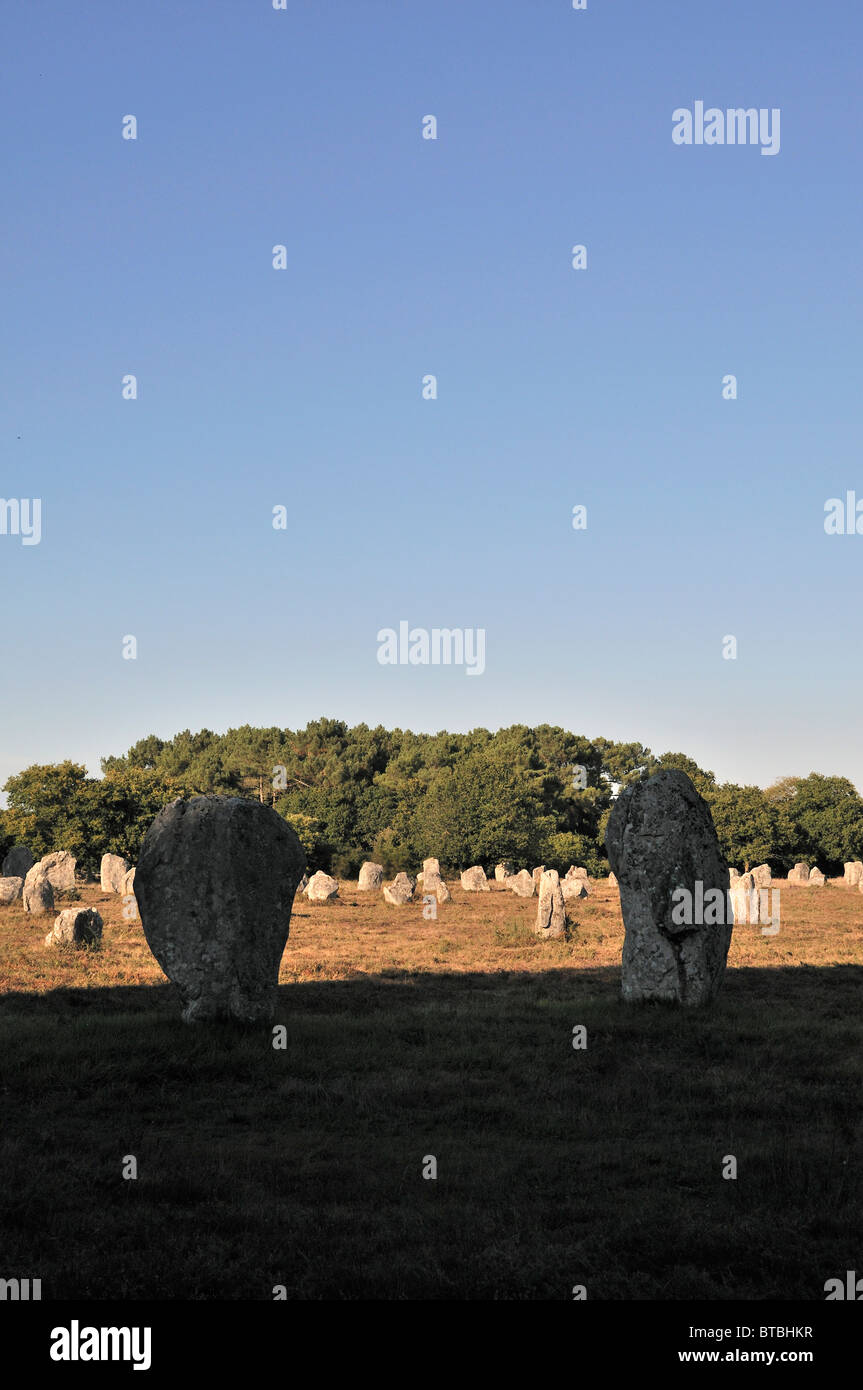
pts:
pixel 407 256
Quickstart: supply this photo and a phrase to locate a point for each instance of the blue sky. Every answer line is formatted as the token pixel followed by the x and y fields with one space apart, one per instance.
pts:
pixel 407 256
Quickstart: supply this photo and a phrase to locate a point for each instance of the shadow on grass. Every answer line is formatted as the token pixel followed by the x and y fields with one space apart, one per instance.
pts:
pixel 303 1166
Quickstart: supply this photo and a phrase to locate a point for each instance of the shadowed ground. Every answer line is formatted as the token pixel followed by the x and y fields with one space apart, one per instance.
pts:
pixel 303 1167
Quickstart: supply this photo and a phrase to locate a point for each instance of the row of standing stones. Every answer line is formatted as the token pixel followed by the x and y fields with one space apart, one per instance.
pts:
pixel 217 878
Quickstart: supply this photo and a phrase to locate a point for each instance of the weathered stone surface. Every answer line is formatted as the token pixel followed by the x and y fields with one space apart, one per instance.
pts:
pixel 762 876
pixel 550 912
pixel 612 879
pixel 430 878
pixel 799 874
pixel 321 887
pixel 521 883
pixel 401 890
pixel 371 877
pixel 816 878
pixel 112 873
pixel 129 884
pixel 733 875
pixel 442 893
pixel 11 888
pixel 537 874
pixel 18 862
pixel 574 871
pixel 215 884
pixel 37 893
pixel 60 868
pixel 853 873
pixel 745 899
pixel 503 871
pixel 661 838
pixel 77 926
pixel 574 888
pixel 473 880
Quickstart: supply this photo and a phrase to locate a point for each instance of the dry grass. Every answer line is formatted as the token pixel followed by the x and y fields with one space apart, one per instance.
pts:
pixel 451 1037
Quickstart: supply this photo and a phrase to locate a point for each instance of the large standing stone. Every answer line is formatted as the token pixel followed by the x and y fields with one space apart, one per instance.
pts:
pixel 473 880
pixel 661 838
pixel 112 873
pixel 215 884
pixel 18 862
pixel 762 876
pixel 550 912
pixel 321 887
pixel 371 877
pixel 60 868
pixel 799 874
pixel 77 926
pixel 521 883
pixel 401 890
pixel 853 873
pixel 10 890
pixel 37 893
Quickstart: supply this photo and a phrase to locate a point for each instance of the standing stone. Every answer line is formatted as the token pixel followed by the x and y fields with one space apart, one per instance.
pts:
pixel 733 875
pixel 612 879
pixel 503 871
pixel 550 912
pixel 60 868
pixel 799 874
pixel 129 884
pixel 473 880
pixel 537 875
pixel 661 838
pixel 112 873
pixel 816 878
pixel 321 887
pixel 77 926
pixel 762 876
pixel 853 873
pixel 302 885
pixel 37 893
pixel 442 893
pixel 215 883
pixel 18 862
pixel 10 890
pixel 430 878
pixel 521 883
pixel 574 888
pixel 575 872
pixel 371 877
pixel 745 900
pixel 401 890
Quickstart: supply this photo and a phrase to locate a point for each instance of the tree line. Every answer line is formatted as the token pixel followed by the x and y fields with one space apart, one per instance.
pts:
pixel 531 795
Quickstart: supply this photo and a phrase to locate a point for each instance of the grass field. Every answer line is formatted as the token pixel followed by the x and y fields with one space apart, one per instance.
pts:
pixel 406 1038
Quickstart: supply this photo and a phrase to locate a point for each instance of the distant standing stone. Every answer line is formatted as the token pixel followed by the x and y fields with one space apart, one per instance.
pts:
pixel 18 862
pixel 853 873
pixel 799 874
pixel 473 880
pixel 550 912
pixel 816 878
pixel 430 877
pixel 215 884
pixel 574 888
pixel 521 883
pixel 11 889
pixel 37 893
pixel 129 884
pixel 661 838
pixel 537 875
pixel 762 876
pixel 112 873
pixel 612 879
pixel 371 877
pixel 77 926
pixel 60 868
pixel 401 890
pixel 503 871
pixel 321 887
